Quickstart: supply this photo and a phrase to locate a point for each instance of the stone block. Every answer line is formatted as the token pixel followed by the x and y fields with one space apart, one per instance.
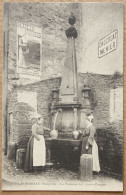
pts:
pixel 86 167
pixel 20 158
pixel 11 152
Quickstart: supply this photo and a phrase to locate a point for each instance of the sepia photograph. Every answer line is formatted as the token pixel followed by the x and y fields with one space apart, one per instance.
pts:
pixel 62 96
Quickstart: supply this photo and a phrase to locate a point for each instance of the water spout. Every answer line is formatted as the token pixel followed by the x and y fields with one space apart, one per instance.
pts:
pixel 75 118
pixel 54 125
pixel 75 132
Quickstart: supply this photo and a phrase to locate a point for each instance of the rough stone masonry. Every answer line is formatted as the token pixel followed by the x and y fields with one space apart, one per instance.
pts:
pixel 106 90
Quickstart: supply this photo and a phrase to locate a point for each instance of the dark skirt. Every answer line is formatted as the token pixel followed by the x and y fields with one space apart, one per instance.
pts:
pixel 84 143
pixel 28 165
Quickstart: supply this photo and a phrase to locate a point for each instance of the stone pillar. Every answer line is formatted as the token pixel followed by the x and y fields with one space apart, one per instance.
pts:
pixel 68 90
pixel 48 152
pixel 20 158
pixel 11 153
pixel 86 167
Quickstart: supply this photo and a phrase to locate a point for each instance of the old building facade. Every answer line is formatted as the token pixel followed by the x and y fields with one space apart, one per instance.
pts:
pixel 35 43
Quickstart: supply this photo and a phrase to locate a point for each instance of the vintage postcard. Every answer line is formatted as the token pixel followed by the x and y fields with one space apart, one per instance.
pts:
pixel 62 96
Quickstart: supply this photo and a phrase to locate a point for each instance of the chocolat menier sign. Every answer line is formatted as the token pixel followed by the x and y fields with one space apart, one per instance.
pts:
pixel 107 44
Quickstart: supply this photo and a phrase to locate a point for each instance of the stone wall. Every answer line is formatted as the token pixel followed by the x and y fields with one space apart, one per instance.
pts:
pixel 109 132
pixel 98 21
pixel 101 85
pixel 21 127
pixel 110 135
pixel 23 110
pixel 53 19
pixel 110 142
pixel 116 108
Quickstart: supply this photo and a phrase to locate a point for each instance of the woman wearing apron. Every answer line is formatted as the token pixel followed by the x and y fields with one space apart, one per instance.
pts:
pixel 36 149
pixel 89 145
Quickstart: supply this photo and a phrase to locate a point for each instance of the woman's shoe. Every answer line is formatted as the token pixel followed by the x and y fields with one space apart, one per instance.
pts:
pixel 43 168
pixel 36 169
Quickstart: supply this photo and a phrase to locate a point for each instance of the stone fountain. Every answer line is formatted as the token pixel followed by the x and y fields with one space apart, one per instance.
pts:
pixel 70 103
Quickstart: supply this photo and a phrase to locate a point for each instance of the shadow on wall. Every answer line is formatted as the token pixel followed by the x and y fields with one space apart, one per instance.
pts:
pixel 24 123
pixel 110 142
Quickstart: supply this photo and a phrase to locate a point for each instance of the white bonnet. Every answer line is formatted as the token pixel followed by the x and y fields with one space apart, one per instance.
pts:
pixel 36 116
pixel 90 118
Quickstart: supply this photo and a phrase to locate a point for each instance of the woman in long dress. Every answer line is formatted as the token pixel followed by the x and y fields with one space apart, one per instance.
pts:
pixel 36 149
pixel 89 145
pixel 23 51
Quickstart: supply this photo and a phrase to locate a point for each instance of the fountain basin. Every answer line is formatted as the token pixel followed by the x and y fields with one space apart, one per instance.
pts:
pixel 67 105
pixel 64 142
pixel 60 150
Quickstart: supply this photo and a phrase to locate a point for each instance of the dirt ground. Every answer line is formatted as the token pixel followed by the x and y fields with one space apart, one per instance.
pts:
pixel 54 179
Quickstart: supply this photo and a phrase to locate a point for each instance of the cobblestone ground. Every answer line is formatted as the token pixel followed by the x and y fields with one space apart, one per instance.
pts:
pixel 52 179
